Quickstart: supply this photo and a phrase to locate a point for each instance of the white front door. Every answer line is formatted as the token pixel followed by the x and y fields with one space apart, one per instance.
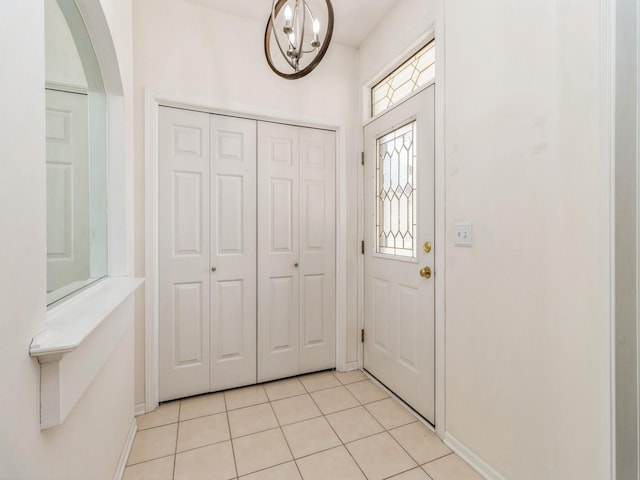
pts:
pixel 399 221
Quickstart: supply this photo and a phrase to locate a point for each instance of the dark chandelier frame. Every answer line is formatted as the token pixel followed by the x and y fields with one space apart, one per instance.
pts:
pixel 269 33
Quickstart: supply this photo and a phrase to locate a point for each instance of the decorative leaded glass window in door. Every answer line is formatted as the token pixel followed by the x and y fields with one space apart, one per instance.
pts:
pixel 396 192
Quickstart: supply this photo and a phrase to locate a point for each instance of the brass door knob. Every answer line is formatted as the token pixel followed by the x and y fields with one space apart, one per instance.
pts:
pixel 425 272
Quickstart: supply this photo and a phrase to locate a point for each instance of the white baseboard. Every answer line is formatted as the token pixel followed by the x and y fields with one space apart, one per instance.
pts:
pixel 124 456
pixel 471 458
pixel 139 409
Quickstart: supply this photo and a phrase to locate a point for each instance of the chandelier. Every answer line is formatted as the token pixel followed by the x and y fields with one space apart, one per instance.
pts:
pixel 301 36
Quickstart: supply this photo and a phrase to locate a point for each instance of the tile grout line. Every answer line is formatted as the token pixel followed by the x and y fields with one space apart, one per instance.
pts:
pixel 233 450
pixel 293 458
pixel 336 433
pixel 150 460
pixel 175 454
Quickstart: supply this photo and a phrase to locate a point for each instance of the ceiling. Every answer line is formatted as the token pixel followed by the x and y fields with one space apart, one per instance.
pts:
pixel 354 19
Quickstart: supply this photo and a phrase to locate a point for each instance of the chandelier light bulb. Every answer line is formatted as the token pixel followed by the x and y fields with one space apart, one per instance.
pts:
pixel 316 29
pixel 288 28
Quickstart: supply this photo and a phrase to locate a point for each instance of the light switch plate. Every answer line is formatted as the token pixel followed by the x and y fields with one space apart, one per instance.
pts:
pixel 463 234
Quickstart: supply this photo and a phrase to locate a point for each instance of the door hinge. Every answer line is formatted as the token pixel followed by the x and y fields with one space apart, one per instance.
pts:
pixel 361 158
pixel 362 335
pixel 362 247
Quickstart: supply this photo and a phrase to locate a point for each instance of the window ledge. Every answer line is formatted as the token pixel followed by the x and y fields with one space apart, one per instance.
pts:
pixel 80 336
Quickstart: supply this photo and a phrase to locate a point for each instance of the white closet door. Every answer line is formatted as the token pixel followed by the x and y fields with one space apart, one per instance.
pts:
pixel 184 272
pixel 278 260
pixel 317 250
pixel 233 252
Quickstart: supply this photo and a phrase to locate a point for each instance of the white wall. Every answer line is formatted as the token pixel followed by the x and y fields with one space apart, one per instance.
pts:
pixel 398 31
pixel 528 307
pixel 62 61
pixel 191 51
pixel 89 443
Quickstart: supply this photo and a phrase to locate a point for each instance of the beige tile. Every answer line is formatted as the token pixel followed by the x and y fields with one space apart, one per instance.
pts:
pixel 213 462
pixel 251 420
pixel 286 471
pixel 245 397
pixel 450 467
pixel 319 381
pixel 367 391
pixel 153 443
pixel 354 424
pixel 415 474
pixel 310 436
pixel 350 377
pixel 163 415
pixel 159 469
pixel 202 431
pixel 422 444
pixel 330 464
pixel 390 413
pixel 201 406
pixel 260 450
pixel 380 456
pixel 289 387
pixel 334 399
pixel 295 409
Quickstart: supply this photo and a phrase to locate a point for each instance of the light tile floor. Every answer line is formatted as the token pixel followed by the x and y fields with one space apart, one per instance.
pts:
pixel 323 426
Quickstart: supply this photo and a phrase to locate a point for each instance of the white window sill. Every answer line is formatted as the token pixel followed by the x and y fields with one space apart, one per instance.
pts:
pixel 80 336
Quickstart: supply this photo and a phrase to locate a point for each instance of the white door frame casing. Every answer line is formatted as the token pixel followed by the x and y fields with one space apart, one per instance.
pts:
pixel 153 101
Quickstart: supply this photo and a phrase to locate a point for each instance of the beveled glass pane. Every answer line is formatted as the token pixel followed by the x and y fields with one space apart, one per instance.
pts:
pixel 396 192
pixel 404 80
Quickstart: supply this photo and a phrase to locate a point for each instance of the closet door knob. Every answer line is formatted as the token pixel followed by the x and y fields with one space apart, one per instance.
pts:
pixel 295 264
pixel 213 269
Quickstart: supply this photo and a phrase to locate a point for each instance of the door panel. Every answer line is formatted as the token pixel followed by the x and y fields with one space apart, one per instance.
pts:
pixel 281 216
pixel 314 309
pixel 282 316
pixel 188 299
pixel 230 309
pixel 233 252
pixel 317 250
pixel 187 213
pixel 399 218
pixel 278 272
pixel 229 220
pixel 183 248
